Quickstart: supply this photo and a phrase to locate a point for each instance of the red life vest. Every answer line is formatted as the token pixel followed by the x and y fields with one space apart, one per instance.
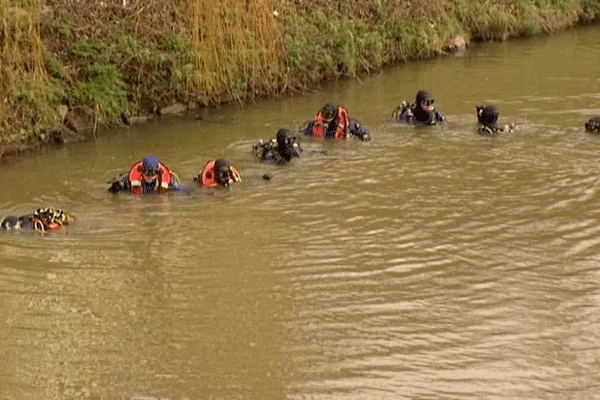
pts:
pixel 52 226
pixel 136 176
pixel 208 177
pixel 343 124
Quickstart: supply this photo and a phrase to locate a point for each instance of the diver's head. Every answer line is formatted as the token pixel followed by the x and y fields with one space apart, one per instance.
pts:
pixel 222 174
pixel 9 223
pixel 488 115
pixel 425 100
pixel 285 143
pixel 329 111
pixel 150 168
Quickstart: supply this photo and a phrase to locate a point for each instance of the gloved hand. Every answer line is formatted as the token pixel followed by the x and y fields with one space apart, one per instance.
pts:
pixel 360 131
pixel 115 187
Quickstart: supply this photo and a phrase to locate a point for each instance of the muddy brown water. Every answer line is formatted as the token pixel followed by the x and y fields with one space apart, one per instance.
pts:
pixel 427 263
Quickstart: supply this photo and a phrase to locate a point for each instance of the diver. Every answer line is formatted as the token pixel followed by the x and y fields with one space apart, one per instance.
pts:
pixel 593 125
pixel 217 172
pixel 41 220
pixel 146 176
pixel 334 121
pixel 279 150
pixel 422 111
pixel 487 116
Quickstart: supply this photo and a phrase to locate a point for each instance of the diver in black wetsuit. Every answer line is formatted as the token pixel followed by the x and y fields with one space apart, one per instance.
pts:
pixel 487 116
pixel 422 111
pixel 279 150
pixel 593 125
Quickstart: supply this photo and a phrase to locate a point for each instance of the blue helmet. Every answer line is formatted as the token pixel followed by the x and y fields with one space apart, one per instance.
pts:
pixel 150 165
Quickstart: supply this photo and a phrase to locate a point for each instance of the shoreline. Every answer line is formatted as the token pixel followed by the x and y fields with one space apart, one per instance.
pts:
pixel 84 84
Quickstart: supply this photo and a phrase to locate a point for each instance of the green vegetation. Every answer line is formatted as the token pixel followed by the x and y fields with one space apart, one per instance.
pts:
pixel 103 86
pixel 115 60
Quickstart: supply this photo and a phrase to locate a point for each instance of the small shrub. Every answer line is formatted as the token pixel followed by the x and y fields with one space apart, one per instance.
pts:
pixel 128 47
pixel 347 52
pixel 238 85
pixel 95 50
pixel 177 81
pixel 18 137
pixel 181 48
pixel 103 84
pixel 24 94
pixel 65 33
pixel 54 68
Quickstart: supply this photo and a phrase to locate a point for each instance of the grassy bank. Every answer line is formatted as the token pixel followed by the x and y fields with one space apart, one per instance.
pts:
pixel 69 67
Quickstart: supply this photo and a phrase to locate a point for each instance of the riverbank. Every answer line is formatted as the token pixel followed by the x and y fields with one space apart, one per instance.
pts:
pixel 71 68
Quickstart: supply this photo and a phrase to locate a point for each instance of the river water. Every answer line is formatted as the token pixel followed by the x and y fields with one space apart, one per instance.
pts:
pixel 426 263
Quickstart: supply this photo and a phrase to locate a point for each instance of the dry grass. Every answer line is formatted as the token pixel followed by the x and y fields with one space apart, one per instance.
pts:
pixel 23 76
pixel 238 46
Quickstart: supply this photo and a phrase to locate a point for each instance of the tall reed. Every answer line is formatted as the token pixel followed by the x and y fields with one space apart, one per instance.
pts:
pixel 23 76
pixel 238 47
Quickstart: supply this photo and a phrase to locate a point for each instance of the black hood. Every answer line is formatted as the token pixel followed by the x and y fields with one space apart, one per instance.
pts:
pixel 222 175
pixel 285 144
pixel 488 116
pixel 423 113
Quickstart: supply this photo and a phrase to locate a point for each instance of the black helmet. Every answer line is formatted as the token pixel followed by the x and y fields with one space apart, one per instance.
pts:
pixel 424 111
pixel 329 111
pixel 593 125
pixel 285 143
pixel 284 138
pixel 488 115
pixel 222 167
pixel 10 222
pixel 424 97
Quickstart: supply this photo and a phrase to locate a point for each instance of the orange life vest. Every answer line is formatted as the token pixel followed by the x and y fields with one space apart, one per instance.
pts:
pixel 208 177
pixel 136 176
pixel 343 120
